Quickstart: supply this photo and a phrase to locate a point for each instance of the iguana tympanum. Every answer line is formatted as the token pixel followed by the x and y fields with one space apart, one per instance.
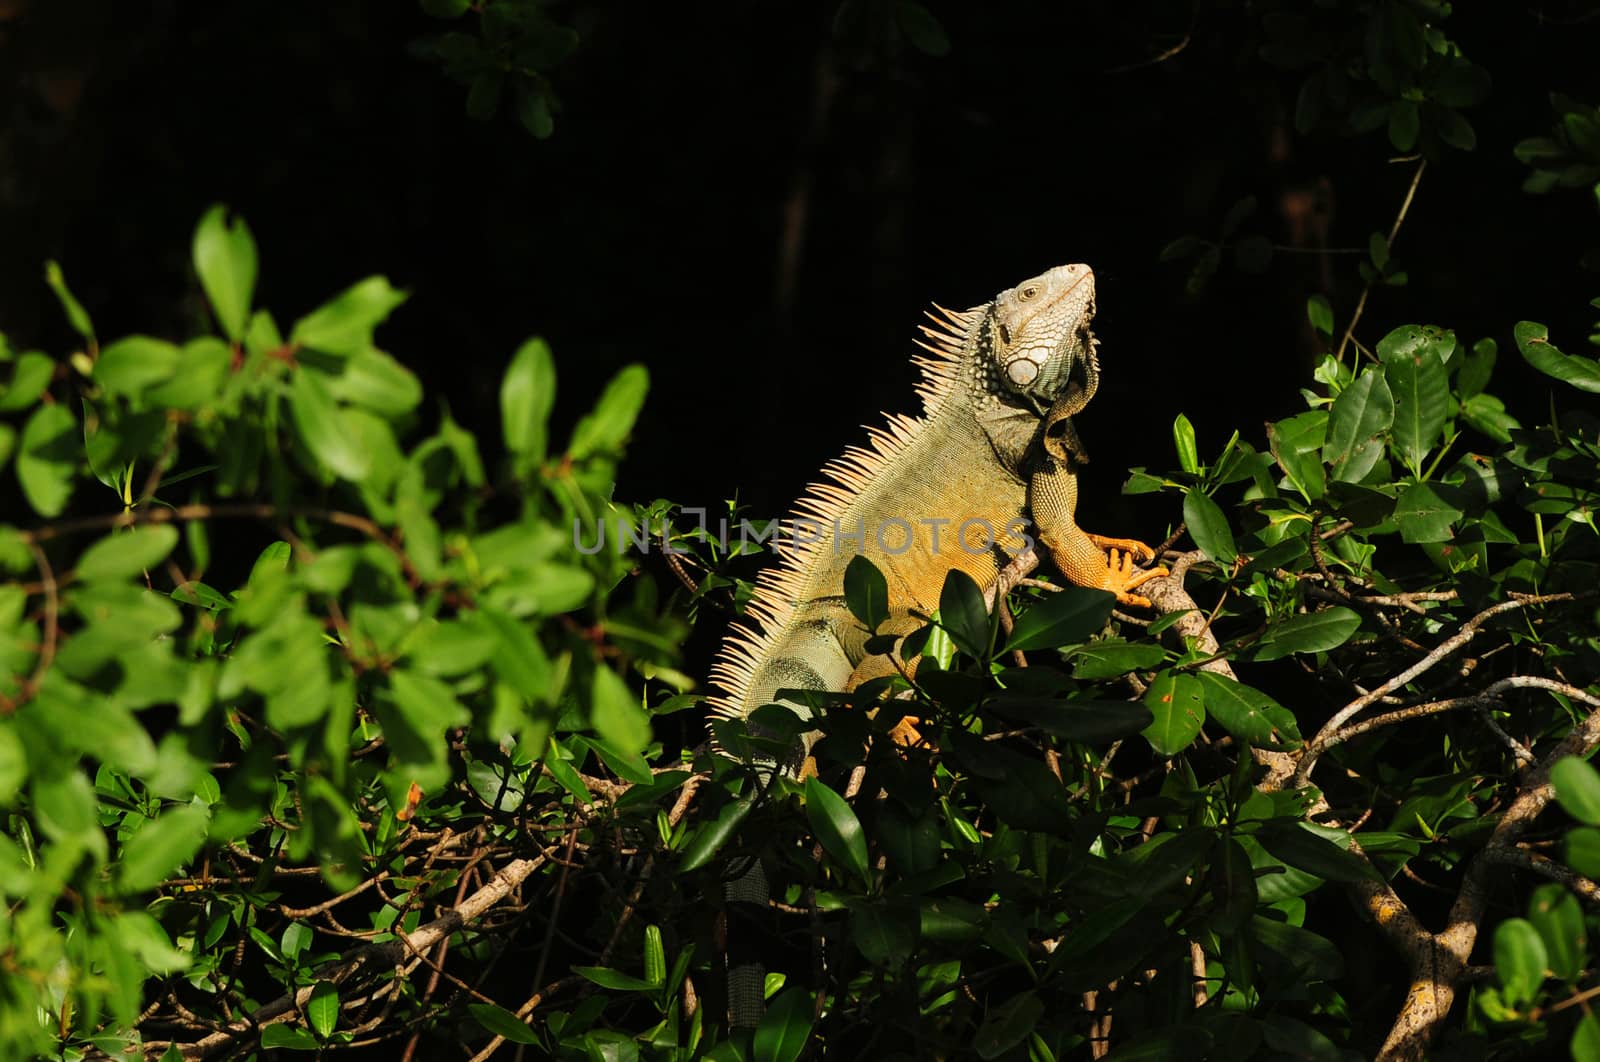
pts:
pixel 954 488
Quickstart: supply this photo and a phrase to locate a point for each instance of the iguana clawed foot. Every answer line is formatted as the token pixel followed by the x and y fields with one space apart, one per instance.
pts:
pixel 1123 574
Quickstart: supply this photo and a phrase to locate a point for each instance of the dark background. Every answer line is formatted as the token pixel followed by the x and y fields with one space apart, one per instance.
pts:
pixel 758 210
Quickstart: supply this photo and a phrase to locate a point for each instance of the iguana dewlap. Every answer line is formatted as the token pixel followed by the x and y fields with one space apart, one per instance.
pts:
pixel 991 460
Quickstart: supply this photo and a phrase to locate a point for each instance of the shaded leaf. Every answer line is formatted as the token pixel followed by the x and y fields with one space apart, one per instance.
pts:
pixel 835 824
pixel 786 1029
pixel 1314 853
pixel 866 592
pixel 1008 1025
pixel 1070 615
pixel 503 1023
pixel 962 614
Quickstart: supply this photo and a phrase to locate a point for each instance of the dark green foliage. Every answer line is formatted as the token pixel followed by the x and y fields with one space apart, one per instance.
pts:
pixel 289 669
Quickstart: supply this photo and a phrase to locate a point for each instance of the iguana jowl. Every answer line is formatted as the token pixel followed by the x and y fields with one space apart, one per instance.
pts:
pixel 950 489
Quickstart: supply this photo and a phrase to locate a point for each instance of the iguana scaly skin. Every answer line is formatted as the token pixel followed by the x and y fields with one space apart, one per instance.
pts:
pixel 950 489
pixel 929 492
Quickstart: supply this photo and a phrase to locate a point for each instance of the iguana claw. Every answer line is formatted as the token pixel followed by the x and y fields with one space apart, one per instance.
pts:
pixel 1123 574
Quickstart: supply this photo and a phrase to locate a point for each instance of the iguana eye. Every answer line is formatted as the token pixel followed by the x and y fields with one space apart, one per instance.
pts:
pixel 1028 292
pixel 1005 335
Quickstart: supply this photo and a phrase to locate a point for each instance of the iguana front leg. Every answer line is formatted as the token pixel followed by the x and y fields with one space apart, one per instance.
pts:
pixel 1088 560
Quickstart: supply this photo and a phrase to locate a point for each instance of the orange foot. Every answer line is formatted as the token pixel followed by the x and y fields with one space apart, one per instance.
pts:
pixel 1124 575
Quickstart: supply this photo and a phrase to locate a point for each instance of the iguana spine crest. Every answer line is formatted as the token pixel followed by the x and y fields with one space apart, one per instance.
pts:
pixel 780 588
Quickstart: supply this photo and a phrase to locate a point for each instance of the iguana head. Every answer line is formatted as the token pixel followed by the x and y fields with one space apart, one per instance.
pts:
pixel 1038 340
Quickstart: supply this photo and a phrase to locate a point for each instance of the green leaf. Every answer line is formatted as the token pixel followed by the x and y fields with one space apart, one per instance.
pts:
pixel 1585 1046
pixel 297 937
pixel 1008 1025
pixel 785 1030
pixel 1519 960
pixel 655 956
pixel 1476 368
pixel 1314 853
pixel 616 714
pixel 526 394
pixel 1404 123
pixel 1177 705
pixel 1209 527
pixel 1360 416
pixel 1558 917
pixel 1242 710
pixel 1297 447
pixel 28 381
pixel 502 1023
pixel 453 9
pixel 427 703
pixel 1423 515
pixel 921 28
pixel 1069 615
pixel 203 366
pixel 533 111
pixel 606 977
pixel 65 806
pixel 1583 851
pixel 1533 340
pixel 710 838
pixel 291 1037
pixel 962 614
pixel 161 846
pixel 344 325
pixel 835 825
pixel 1089 722
pixel 606 428
pixel 1233 887
pixel 325 433
pixel 322 1009
pixel 376 381
pixel 47 457
pixel 1312 632
pixel 1114 657
pixel 1577 786
pixel 866 592
pixel 1319 312
pixel 127 553
pixel 518 656
pixel 1188 451
pixel 225 261
pixel 1413 365
pixel 76 317
pixel 886 933
pixel 13 763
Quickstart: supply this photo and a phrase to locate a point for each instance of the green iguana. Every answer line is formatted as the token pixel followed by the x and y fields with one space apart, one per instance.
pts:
pixel 953 488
